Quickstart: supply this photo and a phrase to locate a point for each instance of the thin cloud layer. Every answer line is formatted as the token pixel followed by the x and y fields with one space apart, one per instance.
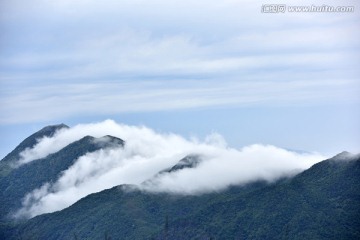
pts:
pixel 64 58
pixel 145 154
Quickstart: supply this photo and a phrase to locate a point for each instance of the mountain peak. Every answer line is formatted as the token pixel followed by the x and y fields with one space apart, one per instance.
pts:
pixel 344 155
pixel 51 129
pixel 109 140
pixel 30 141
pixel 189 161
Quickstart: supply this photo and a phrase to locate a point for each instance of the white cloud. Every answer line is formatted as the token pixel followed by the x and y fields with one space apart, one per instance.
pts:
pixel 145 154
pixel 64 137
pixel 224 167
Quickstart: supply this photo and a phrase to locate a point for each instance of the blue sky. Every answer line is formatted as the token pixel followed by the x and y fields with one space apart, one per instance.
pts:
pixel 287 79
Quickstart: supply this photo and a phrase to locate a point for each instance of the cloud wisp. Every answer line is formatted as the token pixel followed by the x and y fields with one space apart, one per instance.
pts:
pixel 145 154
pixel 144 96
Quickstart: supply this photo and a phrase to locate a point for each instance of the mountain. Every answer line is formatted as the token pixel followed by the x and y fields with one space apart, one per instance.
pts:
pixel 17 181
pixel 322 202
pixel 29 142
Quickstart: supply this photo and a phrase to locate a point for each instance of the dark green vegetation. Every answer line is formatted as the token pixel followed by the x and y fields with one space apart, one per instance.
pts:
pixel 322 202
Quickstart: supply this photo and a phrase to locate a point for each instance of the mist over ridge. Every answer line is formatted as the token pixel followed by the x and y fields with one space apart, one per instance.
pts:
pixel 144 154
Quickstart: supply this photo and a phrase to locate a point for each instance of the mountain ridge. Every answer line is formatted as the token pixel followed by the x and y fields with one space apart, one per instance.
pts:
pixel 27 177
pixel 322 202
pixel 315 191
pixel 30 141
pixel 7 162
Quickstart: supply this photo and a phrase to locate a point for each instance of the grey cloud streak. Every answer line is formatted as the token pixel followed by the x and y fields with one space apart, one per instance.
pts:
pixel 55 102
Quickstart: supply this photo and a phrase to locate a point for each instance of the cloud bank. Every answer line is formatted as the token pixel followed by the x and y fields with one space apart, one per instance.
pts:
pixel 147 152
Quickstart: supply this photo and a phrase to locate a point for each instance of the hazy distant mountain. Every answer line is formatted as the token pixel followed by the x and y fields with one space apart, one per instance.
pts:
pixel 190 161
pixel 322 202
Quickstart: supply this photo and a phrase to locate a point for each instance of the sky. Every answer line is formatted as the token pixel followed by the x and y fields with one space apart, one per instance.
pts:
pixel 187 67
